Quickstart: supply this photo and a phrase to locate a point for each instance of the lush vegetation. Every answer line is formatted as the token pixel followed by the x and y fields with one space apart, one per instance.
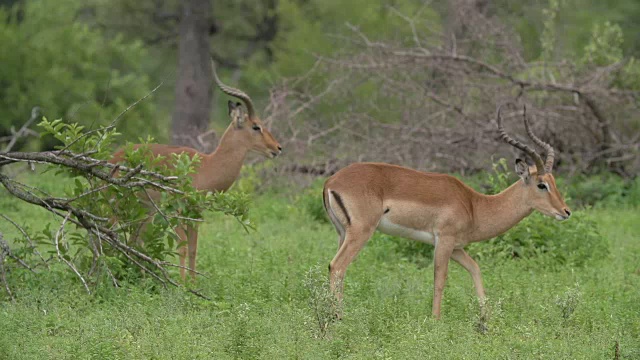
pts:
pixel 115 52
pixel 70 70
pixel 269 286
pixel 556 290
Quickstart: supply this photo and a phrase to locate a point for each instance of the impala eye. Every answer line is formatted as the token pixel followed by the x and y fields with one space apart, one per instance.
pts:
pixel 542 186
pixel 256 127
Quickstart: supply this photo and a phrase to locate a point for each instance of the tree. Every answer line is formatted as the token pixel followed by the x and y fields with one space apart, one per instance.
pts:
pixel 69 69
pixel 193 86
pixel 240 29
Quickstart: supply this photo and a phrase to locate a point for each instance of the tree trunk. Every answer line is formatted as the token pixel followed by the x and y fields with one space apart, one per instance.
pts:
pixel 193 85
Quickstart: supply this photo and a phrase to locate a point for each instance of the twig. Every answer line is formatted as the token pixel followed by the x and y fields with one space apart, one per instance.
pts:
pixel 26 236
pixel 4 250
pixel 113 122
pixel 69 263
pixel 198 294
pixel 35 111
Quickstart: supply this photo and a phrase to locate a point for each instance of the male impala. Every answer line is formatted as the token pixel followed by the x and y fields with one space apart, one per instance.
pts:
pixel 434 208
pixel 218 170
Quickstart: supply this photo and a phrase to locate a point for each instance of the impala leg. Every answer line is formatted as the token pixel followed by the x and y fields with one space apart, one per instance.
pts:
pixel 461 257
pixel 182 250
pixel 192 235
pixel 354 240
pixel 137 235
pixel 444 248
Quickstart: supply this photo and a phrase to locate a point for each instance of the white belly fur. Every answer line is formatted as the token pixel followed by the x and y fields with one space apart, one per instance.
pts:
pixel 392 229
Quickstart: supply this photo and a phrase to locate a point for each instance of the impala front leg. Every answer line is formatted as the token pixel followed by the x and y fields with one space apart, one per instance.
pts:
pixel 192 245
pixel 182 250
pixel 444 248
pixel 462 258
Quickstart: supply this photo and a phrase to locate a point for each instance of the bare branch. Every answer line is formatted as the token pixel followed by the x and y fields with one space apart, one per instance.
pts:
pixel 35 111
pixel 27 237
pixel 56 238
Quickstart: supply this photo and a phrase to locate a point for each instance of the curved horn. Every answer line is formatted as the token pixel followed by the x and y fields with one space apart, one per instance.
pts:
pixel 518 145
pixel 548 165
pixel 234 92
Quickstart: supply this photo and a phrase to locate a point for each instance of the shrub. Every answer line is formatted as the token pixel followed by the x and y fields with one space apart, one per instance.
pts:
pixel 322 302
pixel 108 212
pixel 605 189
pixel 311 201
pixel 569 301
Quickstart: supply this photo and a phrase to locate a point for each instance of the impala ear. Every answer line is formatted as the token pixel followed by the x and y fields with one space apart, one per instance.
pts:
pixel 236 113
pixel 232 106
pixel 522 169
pixel 242 117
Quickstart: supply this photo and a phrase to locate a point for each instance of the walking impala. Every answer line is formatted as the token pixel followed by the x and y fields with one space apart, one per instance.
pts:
pixel 434 208
pixel 218 170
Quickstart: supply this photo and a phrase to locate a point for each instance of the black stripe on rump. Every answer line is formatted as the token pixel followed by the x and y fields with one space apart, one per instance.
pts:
pixel 324 201
pixel 342 207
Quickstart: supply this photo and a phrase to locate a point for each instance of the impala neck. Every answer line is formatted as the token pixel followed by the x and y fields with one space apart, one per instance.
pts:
pixel 219 169
pixel 495 214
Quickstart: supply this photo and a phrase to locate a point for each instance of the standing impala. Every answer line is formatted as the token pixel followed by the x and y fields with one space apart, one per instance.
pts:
pixel 218 170
pixel 434 208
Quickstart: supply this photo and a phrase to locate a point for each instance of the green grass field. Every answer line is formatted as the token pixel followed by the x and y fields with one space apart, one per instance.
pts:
pixel 262 283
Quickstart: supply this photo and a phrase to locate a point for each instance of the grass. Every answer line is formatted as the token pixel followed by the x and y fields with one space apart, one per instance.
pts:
pixel 261 284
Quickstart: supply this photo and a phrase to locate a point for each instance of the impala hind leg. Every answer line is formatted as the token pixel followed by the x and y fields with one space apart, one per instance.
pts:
pixel 137 236
pixel 354 240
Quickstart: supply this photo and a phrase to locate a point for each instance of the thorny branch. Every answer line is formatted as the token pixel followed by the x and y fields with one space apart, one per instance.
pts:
pixel 419 103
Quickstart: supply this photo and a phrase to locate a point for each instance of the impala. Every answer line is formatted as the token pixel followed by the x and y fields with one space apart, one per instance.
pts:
pixel 218 170
pixel 434 208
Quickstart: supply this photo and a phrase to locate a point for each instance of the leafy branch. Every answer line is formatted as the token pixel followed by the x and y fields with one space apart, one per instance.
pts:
pixel 117 221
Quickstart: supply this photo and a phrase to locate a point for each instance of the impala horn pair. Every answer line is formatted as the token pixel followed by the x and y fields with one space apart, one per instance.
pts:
pixel 234 92
pixel 543 167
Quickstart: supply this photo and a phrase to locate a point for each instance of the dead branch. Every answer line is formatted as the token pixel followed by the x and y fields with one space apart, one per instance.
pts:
pixel 431 107
pixel 35 111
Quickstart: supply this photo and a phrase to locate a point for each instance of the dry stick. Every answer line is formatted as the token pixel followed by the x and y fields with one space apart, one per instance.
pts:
pixel 166 217
pixel 198 294
pixel 411 23
pixel 90 169
pixel 119 167
pixel 101 253
pixel 26 236
pixel 4 250
pixel 34 114
pixel 3 277
pixel 69 263
pixel 170 264
pixel 92 191
pixel 113 123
